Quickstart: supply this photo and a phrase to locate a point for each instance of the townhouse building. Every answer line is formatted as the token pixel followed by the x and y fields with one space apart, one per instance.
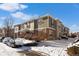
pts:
pixel 44 27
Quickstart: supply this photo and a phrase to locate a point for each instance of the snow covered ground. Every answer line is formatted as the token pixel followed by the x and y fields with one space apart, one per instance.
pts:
pixel 52 48
pixel 55 47
pixel 7 51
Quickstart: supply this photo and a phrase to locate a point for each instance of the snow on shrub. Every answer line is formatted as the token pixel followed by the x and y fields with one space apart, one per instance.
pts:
pixel 9 41
pixel 73 49
pixel 21 41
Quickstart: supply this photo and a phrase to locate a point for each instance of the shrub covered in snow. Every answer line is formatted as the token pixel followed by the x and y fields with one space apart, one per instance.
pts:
pixel 1 39
pixel 21 41
pixel 73 49
pixel 18 42
pixel 9 41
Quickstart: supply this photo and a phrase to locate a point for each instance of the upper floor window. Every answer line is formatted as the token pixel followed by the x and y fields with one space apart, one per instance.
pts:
pixel 16 29
pixel 45 18
pixel 28 25
pixel 25 25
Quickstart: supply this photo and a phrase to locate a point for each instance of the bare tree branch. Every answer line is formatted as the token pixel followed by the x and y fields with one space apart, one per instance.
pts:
pixel 8 25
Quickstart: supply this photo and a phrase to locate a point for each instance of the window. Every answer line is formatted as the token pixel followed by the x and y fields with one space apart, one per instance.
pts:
pixel 16 29
pixel 44 18
pixel 24 25
pixel 53 26
pixel 28 25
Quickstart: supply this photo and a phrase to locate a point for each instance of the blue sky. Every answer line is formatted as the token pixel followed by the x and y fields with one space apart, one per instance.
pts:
pixel 68 13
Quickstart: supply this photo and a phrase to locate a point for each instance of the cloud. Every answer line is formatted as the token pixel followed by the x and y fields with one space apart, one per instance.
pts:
pixel 11 7
pixel 74 28
pixel 23 16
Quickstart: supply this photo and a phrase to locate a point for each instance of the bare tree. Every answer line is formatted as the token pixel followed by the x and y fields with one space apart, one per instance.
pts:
pixel 8 26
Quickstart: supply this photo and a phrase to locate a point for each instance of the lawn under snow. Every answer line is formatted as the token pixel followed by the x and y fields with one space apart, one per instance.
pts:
pixel 7 51
pixel 52 48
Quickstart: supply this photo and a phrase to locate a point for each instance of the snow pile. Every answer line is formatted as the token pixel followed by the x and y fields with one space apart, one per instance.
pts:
pixel 9 41
pixel 21 41
pixel 0 37
pixel 7 51
pixel 75 43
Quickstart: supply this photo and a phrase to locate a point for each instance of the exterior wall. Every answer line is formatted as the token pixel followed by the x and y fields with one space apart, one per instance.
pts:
pixel 47 22
pixel 59 28
pixel 1 33
pixel 77 34
pixel 43 22
pixel 50 21
pixel 56 27
pixel 51 34
pixel 44 34
pixel 66 31
pixel 17 28
pixel 29 25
